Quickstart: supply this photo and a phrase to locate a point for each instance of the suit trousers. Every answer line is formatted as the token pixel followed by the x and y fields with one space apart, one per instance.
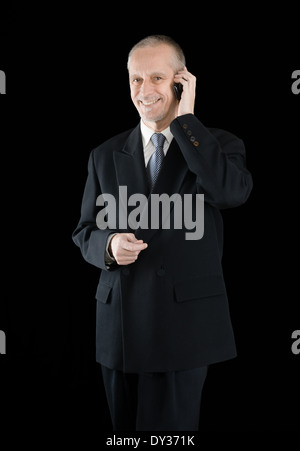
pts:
pixel 154 401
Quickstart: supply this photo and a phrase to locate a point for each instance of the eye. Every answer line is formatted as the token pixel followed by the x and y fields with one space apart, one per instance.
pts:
pixel 157 78
pixel 136 80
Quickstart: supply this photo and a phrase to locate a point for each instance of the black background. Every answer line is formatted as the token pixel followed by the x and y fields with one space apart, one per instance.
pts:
pixel 67 91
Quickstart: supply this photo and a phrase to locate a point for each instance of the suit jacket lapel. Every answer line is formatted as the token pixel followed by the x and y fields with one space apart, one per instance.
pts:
pixel 131 176
pixel 130 165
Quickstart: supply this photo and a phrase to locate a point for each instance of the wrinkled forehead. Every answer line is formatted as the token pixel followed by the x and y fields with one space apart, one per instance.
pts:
pixel 154 59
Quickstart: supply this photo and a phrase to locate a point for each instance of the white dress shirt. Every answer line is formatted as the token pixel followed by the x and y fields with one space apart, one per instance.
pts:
pixel 148 145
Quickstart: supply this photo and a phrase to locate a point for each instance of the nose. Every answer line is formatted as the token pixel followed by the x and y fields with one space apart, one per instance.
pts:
pixel 146 88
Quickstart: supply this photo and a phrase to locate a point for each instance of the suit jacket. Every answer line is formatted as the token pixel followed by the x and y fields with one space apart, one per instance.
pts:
pixel 169 310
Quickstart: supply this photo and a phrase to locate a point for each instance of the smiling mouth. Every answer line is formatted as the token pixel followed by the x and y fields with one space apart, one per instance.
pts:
pixel 152 102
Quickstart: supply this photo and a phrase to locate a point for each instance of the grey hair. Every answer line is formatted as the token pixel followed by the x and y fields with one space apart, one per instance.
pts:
pixel 158 39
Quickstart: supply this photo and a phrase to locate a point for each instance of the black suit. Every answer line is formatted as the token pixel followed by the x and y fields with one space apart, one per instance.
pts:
pixel 168 311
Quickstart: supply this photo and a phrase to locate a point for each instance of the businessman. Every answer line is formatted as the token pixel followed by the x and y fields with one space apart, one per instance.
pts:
pixel 162 309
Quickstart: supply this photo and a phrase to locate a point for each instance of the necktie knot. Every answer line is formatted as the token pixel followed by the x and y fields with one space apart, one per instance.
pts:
pixel 158 140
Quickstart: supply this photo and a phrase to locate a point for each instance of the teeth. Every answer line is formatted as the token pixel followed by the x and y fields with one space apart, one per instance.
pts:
pixel 149 103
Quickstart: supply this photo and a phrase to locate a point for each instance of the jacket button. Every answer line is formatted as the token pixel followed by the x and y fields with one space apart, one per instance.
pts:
pixel 161 272
pixel 184 126
pixel 189 132
pixel 195 143
pixel 192 139
pixel 126 271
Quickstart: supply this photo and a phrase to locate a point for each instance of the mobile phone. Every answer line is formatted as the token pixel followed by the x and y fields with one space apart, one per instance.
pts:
pixel 178 90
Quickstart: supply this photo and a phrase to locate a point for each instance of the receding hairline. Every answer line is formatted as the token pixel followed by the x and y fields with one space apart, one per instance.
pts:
pixel 158 40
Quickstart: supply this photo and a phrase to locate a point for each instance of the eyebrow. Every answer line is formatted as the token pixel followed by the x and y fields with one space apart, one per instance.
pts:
pixel 156 74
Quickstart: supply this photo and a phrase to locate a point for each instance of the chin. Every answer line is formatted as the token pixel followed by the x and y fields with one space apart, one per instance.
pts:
pixel 152 118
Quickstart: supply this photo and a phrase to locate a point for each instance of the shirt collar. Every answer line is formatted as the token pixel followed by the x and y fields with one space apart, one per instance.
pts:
pixel 147 132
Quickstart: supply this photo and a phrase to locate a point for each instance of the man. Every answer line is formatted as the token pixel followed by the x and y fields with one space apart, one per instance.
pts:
pixel 162 309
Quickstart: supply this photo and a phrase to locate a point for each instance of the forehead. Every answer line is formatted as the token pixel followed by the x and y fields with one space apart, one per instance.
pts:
pixel 152 59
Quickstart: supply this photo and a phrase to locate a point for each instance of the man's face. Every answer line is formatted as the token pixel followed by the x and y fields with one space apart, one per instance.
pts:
pixel 151 78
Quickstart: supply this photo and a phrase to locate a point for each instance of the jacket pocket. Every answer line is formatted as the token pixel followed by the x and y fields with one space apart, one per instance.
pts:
pixel 199 287
pixel 103 292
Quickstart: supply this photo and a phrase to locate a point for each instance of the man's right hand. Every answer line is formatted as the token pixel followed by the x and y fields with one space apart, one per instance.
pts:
pixel 125 248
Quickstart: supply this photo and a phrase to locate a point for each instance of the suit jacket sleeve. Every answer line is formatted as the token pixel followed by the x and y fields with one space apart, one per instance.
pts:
pixel 91 240
pixel 217 158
